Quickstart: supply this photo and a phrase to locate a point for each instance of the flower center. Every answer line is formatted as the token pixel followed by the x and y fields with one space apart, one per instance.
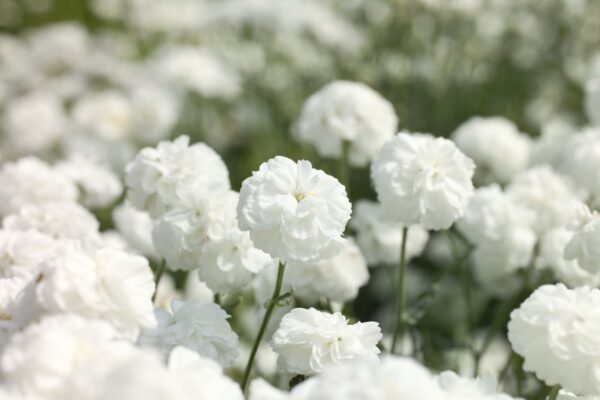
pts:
pixel 299 197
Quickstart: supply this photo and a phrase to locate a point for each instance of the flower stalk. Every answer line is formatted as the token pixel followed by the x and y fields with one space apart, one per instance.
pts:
pixel 400 293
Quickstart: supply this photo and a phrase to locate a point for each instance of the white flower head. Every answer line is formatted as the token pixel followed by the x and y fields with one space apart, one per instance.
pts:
pixel 159 177
pixel 423 180
pixel 31 180
pixel 100 283
pixel 293 211
pixel 581 156
pixel 308 340
pixel 61 220
pixel 136 228
pixel 487 141
pixel 200 327
pixel 22 251
pixel 106 114
pixel 155 110
pixel 99 187
pixel 379 238
pixel 338 278
pixel 17 306
pixel 347 111
pixel 556 331
pixel 584 245
pixel 460 388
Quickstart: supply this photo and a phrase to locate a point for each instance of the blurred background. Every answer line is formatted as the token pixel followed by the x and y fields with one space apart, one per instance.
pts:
pixel 103 78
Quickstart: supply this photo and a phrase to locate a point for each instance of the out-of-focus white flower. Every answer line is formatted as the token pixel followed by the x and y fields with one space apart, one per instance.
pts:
pixel 154 112
pixel 581 156
pixel 487 141
pixel 584 246
pixel 30 180
pixel 262 390
pixel 38 360
pixel 114 154
pixel 159 177
pixel 551 255
pixel 136 228
pixel 564 395
pixel 347 111
pixel 200 327
pixel 549 147
pixel 22 251
pixel 546 194
pixel 555 331
pixel 380 239
pixel 394 378
pixel 337 279
pixel 99 186
pixel 308 341
pixel 17 307
pixel 293 211
pixel 33 123
pixel 422 180
pixel 197 290
pixel 100 283
pixel 592 100
pixel 61 220
pixel 106 114
pixel 461 388
pixel 197 70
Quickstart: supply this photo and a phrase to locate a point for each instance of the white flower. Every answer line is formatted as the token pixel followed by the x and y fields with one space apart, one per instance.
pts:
pixel 155 111
pixel 546 194
pixel 99 186
pixel 33 123
pixel 584 246
pixel 551 255
pixel 564 395
pixel 461 388
pixel 379 238
pixel 17 307
pixel 22 251
pixel 581 156
pixel 422 180
pixel 394 378
pixel 106 114
pixel 293 211
pixel 592 100
pixel 556 331
pixel 159 177
pixel 100 283
pixel 38 360
pixel 30 180
pixel 136 228
pixel 347 111
pixel 61 220
pixel 337 279
pixel 197 70
pixel 200 327
pixel 308 341
pixel 262 390
pixel 549 147
pixel 487 141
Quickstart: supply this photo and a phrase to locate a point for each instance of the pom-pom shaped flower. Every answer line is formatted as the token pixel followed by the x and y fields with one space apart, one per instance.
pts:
pixel 22 251
pixel 308 341
pixel 422 180
pixel 136 228
pixel 347 111
pixel 102 283
pixel 487 141
pixel 159 177
pixel 30 180
pixel 584 246
pixel 460 388
pixel 379 238
pixel 200 327
pixel 581 155
pixel 556 331
pixel 293 211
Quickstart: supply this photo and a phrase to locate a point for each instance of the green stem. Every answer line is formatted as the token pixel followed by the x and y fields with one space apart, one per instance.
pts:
pixel 158 273
pixel 263 326
pixel 344 166
pixel 217 298
pixel 400 295
pixel 554 392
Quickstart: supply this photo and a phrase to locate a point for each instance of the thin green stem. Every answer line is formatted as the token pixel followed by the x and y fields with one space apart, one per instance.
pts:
pixel 400 295
pixel 158 273
pixel 263 326
pixel 554 392
pixel 217 298
pixel 344 166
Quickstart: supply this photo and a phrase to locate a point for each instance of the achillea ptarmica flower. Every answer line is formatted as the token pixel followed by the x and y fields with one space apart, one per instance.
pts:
pixel 556 330
pixel 581 158
pixel 308 341
pixel 584 246
pixel 487 141
pixel 293 211
pixel 200 327
pixel 423 180
pixel 159 177
pixel 347 111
